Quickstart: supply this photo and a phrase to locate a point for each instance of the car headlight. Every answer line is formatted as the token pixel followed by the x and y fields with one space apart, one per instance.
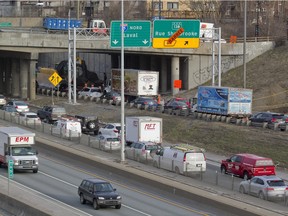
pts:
pixel 101 198
pixel 118 197
pixel 16 162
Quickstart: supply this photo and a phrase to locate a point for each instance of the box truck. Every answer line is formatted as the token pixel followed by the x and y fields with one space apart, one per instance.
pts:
pixel 143 128
pixel 16 144
pixel 224 101
pixel 136 83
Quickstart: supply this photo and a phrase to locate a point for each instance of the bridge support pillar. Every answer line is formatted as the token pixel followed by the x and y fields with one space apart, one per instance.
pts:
pixel 8 76
pixel 15 71
pixel 32 78
pixel 24 79
pixel 2 71
pixel 174 73
pixel 163 74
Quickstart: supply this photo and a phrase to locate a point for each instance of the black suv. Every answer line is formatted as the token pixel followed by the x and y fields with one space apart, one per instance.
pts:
pixel 89 124
pixel 99 193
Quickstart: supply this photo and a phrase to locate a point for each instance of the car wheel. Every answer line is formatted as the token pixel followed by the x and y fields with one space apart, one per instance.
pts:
pixel 242 190
pixel 96 132
pixel 223 169
pixel 35 171
pixel 177 171
pixel 82 199
pixel 95 204
pixel 118 206
pixel 91 125
pixel 246 176
pixel 261 195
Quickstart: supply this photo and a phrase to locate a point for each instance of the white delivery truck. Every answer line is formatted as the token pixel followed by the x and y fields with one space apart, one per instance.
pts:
pixel 16 144
pixel 143 128
pixel 182 159
pixel 136 83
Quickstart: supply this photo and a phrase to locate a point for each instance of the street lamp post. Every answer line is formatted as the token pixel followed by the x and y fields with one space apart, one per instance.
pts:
pixel 159 9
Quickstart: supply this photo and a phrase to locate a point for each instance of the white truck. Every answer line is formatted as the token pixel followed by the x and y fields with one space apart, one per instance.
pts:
pixel 16 144
pixel 136 83
pixel 143 128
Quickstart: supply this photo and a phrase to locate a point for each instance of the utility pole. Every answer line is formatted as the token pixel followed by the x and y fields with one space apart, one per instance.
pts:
pixel 159 9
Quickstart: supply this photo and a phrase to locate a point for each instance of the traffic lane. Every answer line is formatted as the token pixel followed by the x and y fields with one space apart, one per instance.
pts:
pixel 54 183
pixel 138 182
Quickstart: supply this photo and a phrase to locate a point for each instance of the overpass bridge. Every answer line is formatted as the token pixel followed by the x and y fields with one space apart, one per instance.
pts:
pixel 20 51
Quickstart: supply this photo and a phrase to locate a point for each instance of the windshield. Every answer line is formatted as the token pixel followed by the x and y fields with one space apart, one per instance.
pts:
pixel 23 151
pixel 151 147
pixel 59 110
pixel 32 116
pixel 103 187
pixel 20 104
pixel 113 139
pixel 276 183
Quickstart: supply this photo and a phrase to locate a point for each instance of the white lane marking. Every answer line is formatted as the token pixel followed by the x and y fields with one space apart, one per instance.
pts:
pixel 58 202
pixel 77 187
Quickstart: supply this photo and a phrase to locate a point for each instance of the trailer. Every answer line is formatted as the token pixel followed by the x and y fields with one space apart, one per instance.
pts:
pixel 16 144
pixel 224 101
pixel 136 83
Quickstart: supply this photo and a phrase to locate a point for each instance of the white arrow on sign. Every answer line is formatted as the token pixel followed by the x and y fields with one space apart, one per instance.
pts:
pixel 115 42
pixel 145 41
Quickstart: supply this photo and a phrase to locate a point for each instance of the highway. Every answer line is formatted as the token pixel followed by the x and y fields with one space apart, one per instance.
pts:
pixel 60 175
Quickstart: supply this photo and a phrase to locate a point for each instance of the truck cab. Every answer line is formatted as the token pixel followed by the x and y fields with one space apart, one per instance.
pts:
pixel 98 26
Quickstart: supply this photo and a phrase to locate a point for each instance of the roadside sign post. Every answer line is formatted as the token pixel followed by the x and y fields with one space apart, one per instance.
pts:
pixel 10 172
pixel 136 34
pixel 55 79
pixel 176 34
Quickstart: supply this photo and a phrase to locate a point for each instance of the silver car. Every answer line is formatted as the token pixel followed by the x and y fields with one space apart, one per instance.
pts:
pixel 141 151
pixel 20 106
pixel 265 187
pixel 107 142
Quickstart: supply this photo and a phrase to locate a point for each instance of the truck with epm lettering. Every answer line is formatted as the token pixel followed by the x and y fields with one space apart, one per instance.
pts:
pixel 16 145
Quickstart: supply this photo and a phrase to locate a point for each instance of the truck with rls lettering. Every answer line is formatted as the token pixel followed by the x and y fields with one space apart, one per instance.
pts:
pixel 16 144
pixel 143 128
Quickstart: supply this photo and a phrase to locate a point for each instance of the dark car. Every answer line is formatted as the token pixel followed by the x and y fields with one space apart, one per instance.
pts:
pixel 99 193
pixel 283 125
pixel 176 105
pixel 184 100
pixel 265 117
pixel 112 95
pixel 89 123
pixel 144 101
pixel 50 114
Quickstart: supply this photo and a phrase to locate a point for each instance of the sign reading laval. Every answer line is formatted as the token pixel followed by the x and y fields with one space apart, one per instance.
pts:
pixel 136 33
pixel 176 34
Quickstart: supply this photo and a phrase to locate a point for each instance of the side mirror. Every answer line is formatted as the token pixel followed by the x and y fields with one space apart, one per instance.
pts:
pixel 228 160
pixel 114 189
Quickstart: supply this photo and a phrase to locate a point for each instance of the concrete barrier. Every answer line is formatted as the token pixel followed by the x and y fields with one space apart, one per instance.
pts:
pixel 228 119
pixel 118 103
pixel 265 125
pixel 48 92
pixel 63 94
pixel 238 121
pixel 110 102
pixel 43 91
pixel 223 118
pixel 139 106
pixel 98 100
pixel 104 100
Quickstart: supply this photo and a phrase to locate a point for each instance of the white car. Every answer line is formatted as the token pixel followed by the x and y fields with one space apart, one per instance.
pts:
pixel 2 100
pixel 90 92
pixel 107 142
pixel 141 151
pixel 29 118
pixel 112 129
pixel 20 106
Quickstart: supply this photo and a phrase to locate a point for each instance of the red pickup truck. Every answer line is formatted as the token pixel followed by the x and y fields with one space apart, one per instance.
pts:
pixel 248 165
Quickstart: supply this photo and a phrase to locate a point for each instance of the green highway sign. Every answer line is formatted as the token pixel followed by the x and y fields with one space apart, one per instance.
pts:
pixel 136 34
pixel 176 34
pixel 10 169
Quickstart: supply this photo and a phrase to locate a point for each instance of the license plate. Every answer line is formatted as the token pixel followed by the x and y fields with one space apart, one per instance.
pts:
pixel 198 165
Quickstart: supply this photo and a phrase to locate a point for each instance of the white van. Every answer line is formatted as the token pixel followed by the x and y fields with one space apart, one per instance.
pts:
pixel 67 127
pixel 182 159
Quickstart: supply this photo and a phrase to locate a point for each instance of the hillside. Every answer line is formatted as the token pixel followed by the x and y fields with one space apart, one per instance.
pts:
pixel 268 77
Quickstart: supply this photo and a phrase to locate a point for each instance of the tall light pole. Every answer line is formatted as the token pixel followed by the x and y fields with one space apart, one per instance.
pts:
pixel 122 85
pixel 159 9
pixel 244 44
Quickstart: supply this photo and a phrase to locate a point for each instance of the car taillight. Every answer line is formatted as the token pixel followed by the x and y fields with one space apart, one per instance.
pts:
pixel 269 189
pixel 145 102
pixel 113 98
pixel 286 188
pixel 115 131
pixel 273 120
pixel 286 120
pixel 184 159
pixel 16 107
